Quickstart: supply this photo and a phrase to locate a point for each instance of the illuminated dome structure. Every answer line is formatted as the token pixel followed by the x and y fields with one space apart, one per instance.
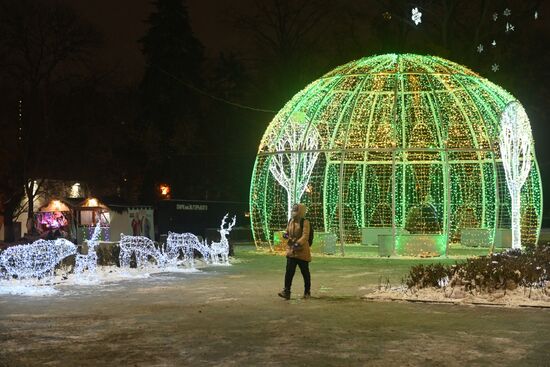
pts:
pixel 401 145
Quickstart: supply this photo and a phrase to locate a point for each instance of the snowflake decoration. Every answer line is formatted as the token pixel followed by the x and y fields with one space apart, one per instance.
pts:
pixel 494 67
pixel 507 12
pixel 480 48
pixel 494 43
pixel 416 16
pixel 509 27
pixel 495 17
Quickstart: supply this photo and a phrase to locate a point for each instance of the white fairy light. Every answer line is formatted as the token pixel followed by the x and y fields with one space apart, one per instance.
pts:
pixel 220 250
pixel 495 67
pixel 494 43
pixel 293 165
pixel 89 261
pixel 416 16
pixel 480 48
pixel 536 15
pixel 495 17
pixel 515 149
pixel 185 244
pixel 140 246
pixel 35 260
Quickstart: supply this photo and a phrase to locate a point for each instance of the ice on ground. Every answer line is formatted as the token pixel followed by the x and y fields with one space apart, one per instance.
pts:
pixel 22 288
pixel 520 296
pixel 103 275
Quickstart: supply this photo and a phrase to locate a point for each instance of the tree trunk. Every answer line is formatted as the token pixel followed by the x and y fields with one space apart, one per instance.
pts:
pixel 289 205
pixel 9 230
pixel 30 199
pixel 516 222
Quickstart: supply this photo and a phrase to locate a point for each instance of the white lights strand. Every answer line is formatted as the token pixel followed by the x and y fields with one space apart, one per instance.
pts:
pixel 89 261
pixel 35 260
pixel 185 244
pixel 219 251
pixel 292 170
pixel 142 248
pixel 515 149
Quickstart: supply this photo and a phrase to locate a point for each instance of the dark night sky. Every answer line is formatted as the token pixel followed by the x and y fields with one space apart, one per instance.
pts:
pixel 121 23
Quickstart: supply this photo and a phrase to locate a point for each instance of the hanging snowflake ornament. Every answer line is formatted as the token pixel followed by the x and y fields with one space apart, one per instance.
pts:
pixel 507 12
pixel 480 48
pixel 494 43
pixel 495 16
pixel 416 16
pixel 509 27
pixel 494 67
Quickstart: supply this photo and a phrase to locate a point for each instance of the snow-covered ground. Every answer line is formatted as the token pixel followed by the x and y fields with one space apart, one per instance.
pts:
pixel 64 281
pixel 519 297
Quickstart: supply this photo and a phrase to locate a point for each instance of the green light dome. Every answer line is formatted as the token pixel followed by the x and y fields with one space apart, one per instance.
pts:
pixel 405 142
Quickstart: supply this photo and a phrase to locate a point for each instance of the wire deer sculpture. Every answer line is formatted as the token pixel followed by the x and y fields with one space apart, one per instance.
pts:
pixel 219 251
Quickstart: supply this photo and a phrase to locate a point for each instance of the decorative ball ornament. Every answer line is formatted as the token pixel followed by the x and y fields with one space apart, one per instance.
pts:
pixel 401 143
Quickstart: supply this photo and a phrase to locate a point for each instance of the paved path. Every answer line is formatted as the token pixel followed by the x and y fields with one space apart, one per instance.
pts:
pixel 230 316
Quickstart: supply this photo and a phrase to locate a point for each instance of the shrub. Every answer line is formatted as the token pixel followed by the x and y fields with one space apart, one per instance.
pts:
pixel 528 268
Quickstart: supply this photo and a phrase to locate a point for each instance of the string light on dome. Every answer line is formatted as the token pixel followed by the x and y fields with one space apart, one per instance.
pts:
pixel 416 16
pixel 394 147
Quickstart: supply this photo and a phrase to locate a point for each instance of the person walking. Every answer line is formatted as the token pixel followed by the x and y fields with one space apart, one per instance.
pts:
pixel 298 251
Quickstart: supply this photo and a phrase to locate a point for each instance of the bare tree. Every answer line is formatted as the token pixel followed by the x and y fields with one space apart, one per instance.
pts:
pixel 43 43
pixel 296 158
pixel 515 142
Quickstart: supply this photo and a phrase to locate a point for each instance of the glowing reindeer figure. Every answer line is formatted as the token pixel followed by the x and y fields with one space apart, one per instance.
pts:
pixel 220 250
pixel 89 261
pixel 186 244
pixel 35 260
pixel 142 248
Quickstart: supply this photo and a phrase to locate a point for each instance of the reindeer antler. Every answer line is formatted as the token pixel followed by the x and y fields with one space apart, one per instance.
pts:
pixel 223 220
pixel 232 223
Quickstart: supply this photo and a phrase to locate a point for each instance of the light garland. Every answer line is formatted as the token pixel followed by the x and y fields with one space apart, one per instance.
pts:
pixel 291 170
pixel 35 260
pixel 89 261
pixel 219 251
pixel 404 141
pixel 140 246
pixel 185 244
pixel 188 243
pixel 515 148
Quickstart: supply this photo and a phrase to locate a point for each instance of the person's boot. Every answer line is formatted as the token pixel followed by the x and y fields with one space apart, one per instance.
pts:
pixel 307 294
pixel 285 293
